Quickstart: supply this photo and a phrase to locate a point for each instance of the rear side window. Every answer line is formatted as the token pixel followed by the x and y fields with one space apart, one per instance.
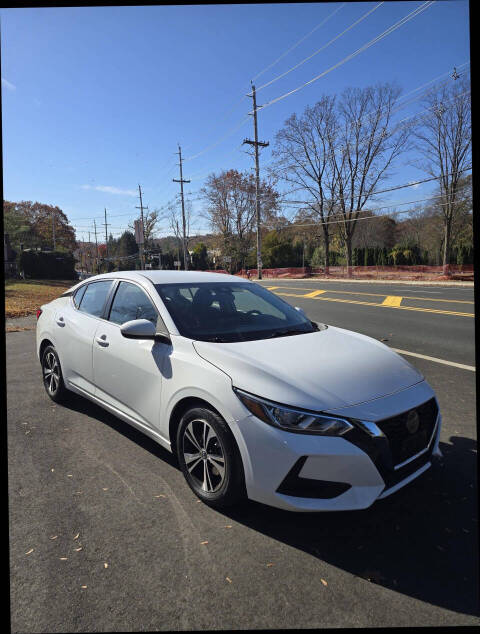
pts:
pixel 130 302
pixel 77 297
pixel 94 297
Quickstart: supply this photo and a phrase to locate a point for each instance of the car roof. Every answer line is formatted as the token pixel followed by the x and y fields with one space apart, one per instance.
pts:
pixel 170 277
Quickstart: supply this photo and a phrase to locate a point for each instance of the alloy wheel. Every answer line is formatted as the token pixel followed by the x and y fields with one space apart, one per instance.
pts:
pixel 204 456
pixel 51 372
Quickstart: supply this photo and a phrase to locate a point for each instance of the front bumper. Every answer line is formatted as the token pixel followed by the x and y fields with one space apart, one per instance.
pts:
pixel 300 472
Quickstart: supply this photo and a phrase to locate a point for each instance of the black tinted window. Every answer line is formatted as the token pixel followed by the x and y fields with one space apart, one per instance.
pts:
pixel 230 312
pixel 94 298
pixel 130 302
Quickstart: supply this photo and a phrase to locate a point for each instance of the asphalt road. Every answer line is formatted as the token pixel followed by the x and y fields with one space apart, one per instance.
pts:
pixel 120 542
pixel 436 321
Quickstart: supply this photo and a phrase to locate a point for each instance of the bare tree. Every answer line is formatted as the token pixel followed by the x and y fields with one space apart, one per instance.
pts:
pixel 363 150
pixel 443 137
pixel 230 208
pixel 150 224
pixel 302 152
pixel 175 221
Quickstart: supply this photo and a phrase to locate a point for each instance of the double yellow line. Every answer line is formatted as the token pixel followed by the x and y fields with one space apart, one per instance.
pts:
pixel 390 301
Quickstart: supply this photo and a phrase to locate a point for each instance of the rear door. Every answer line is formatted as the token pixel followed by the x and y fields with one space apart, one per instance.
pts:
pixel 128 372
pixel 75 325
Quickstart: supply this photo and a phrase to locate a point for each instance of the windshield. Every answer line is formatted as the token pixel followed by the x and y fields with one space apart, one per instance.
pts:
pixel 231 312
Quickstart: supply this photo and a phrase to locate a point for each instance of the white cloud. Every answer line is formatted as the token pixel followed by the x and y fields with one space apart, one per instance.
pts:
pixel 111 190
pixel 8 84
pixel 416 186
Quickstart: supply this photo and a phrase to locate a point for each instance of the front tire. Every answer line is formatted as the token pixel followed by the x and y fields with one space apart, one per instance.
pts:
pixel 52 375
pixel 209 458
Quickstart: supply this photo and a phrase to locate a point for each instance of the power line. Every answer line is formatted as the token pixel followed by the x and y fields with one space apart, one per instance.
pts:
pixel 392 28
pixel 393 213
pixel 225 136
pixel 322 48
pixel 297 43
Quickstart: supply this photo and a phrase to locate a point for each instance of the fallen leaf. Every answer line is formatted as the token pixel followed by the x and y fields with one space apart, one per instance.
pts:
pixel 228 526
pixel 54 537
pixel 30 551
pixel 228 579
pixel 83 586
pixel 77 536
pixel 77 492
pixel 52 469
pixel 77 549
pixel 441 548
pixel 69 475
pixel 27 432
pixel 105 565
pixel 324 582
pixel 204 542
pixel 105 488
pixel 270 565
pixel 63 558
pixel 160 496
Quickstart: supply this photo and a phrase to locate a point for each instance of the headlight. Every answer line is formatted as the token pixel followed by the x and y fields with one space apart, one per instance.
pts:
pixel 293 419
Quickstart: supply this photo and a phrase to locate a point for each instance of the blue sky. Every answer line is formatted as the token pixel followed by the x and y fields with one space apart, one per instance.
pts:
pixel 95 99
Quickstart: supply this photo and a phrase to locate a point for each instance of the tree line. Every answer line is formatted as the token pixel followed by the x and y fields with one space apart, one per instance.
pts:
pixel 334 158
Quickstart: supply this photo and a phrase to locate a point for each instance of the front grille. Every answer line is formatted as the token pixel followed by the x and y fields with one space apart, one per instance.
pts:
pixel 403 444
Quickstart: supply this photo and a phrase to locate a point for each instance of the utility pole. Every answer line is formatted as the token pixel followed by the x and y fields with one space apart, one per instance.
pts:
pixel 53 228
pixel 142 253
pixel 256 143
pixel 181 181
pixel 89 260
pixel 106 239
pixel 96 244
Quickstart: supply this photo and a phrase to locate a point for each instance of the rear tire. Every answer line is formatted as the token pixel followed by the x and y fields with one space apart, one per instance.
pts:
pixel 209 458
pixel 52 375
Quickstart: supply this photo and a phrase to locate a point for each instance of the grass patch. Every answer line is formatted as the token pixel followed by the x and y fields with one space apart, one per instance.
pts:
pixel 23 297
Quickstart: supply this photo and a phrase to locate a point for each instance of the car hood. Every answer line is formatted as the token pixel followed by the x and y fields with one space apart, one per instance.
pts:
pixel 323 370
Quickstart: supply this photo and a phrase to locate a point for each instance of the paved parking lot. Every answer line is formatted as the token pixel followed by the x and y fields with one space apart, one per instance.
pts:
pixel 105 534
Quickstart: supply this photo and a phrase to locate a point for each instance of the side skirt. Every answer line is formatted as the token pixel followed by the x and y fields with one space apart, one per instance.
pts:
pixel 122 416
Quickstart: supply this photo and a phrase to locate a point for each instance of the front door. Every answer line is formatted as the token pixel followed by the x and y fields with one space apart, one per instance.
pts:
pixel 128 372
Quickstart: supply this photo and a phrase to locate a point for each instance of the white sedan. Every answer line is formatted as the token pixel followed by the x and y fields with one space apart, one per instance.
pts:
pixel 254 398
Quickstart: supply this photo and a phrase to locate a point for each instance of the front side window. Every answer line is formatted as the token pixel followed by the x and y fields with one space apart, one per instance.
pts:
pixel 130 302
pixel 77 297
pixel 230 312
pixel 94 297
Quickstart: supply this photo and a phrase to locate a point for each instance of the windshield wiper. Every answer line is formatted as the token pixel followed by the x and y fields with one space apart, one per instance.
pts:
pixel 287 333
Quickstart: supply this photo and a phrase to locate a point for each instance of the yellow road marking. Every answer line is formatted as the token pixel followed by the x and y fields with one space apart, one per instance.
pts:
pixel 351 301
pixel 427 299
pixel 315 293
pixel 390 300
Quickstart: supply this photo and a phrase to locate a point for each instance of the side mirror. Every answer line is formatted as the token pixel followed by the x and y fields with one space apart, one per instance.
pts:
pixel 301 311
pixel 138 329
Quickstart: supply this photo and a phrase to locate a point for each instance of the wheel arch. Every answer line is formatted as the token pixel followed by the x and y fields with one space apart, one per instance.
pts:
pixel 179 410
pixel 44 343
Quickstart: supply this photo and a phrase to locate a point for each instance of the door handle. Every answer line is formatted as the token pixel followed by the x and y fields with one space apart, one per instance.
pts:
pixel 102 341
pixel 61 321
